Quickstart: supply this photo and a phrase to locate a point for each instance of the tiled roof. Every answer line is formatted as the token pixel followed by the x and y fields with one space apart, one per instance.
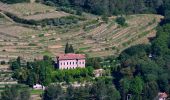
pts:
pixel 71 56
pixel 162 95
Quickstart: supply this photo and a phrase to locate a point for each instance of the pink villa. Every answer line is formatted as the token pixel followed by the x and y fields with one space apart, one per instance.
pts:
pixel 71 61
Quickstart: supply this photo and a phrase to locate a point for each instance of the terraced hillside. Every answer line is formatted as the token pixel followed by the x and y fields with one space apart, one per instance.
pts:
pixel 6 77
pixel 32 11
pixel 92 36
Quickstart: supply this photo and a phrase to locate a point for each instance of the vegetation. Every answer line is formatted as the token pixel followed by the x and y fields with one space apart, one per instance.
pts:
pixel 134 71
pixel 73 75
pixel 140 71
pixel 14 1
pixel 121 21
pixel 44 72
pixel 151 72
pixel 33 72
pixel 112 7
pixel 15 92
pixel 53 21
pixel 101 90
pixel 69 48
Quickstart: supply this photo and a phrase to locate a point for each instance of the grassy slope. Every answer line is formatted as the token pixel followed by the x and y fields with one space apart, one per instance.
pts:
pixel 92 36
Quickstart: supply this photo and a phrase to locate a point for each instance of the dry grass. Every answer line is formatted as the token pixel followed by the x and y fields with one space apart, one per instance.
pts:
pixel 15 30
pixel 26 9
pixel 35 11
pixel 95 42
pixel 55 14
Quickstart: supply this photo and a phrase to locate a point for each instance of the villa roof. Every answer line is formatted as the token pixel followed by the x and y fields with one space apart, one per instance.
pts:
pixel 162 95
pixel 71 56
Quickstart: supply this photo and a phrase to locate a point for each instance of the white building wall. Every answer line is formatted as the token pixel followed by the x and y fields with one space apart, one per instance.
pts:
pixel 71 64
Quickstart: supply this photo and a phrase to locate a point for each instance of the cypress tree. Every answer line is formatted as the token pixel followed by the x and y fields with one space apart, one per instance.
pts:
pixel 67 48
pixel 71 50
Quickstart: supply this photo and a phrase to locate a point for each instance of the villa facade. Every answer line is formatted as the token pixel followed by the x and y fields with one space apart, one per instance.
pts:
pixel 71 61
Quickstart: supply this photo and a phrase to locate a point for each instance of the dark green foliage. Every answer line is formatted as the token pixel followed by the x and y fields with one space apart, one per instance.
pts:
pixel 109 7
pixel 67 10
pixel 79 11
pixel 73 75
pixel 20 20
pixel 69 48
pixel 14 1
pixel 103 91
pixel 43 72
pixel 15 92
pixel 53 21
pixel 94 62
pixel 31 80
pixel 166 8
pixel 150 90
pixel 97 91
pixel 124 87
pixel 121 21
pixel 105 18
pixel 143 76
pixel 14 65
pixel 81 93
pixel 53 92
pixel 34 72
pixel 136 88
pixel 3 62
pixel 49 3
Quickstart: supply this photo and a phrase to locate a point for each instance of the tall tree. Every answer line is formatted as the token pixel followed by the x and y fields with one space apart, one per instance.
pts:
pixel 151 90
pixel 15 92
pixel 81 93
pixel 53 92
pixel 124 86
pixel 67 48
pixel 136 88
pixel 71 50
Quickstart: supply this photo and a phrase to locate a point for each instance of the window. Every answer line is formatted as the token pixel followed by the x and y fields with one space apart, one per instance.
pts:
pixel 67 63
pixel 61 63
pixel 79 62
pixel 70 63
pixel 64 63
pixel 73 63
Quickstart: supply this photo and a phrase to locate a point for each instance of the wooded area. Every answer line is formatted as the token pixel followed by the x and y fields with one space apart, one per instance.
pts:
pixel 107 7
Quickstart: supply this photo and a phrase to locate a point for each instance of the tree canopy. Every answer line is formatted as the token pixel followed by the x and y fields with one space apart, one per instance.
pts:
pixel 15 92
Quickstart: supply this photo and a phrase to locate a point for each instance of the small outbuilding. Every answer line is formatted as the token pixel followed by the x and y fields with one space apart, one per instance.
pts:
pixel 38 87
pixel 98 72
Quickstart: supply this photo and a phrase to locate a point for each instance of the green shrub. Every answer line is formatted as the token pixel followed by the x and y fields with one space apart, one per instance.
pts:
pixel 121 21
pixel 41 35
pixel 32 44
pixel 67 10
